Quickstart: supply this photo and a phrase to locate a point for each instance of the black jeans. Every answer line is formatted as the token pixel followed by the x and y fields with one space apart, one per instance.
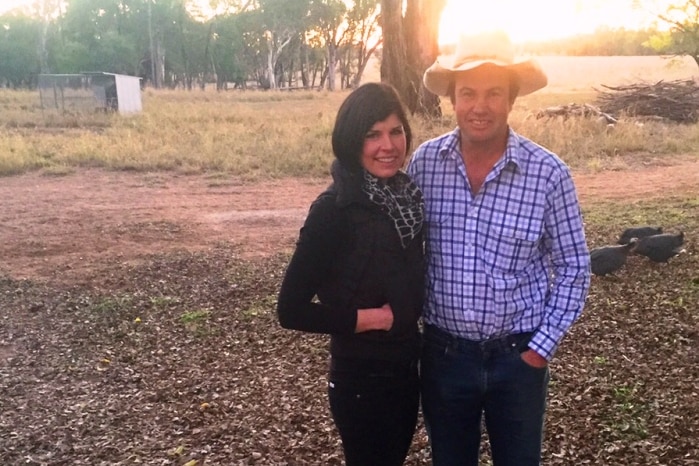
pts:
pixel 374 405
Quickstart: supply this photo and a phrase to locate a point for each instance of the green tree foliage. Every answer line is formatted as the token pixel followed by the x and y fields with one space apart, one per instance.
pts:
pixel 135 37
pixel 682 37
pixel 605 41
pixel 176 43
pixel 99 35
pixel 19 61
pixel 228 50
pixel 71 57
pixel 363 23
pixel 282 21
pixel 328 19
pixel 272 43
pixel 184 42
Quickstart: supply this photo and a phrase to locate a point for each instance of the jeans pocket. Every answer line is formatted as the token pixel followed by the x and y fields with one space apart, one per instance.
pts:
pixel 528 367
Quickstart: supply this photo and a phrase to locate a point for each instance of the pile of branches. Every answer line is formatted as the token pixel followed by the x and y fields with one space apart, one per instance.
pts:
pixel 573 109
pixel 676 101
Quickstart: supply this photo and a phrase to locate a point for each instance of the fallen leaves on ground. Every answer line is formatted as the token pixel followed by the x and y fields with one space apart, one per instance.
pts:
pixel 181 361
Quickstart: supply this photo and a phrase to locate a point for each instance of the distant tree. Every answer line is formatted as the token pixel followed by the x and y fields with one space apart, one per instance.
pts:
pixel 683 36
pixel 313 63
pixel 604 41
pixel 409 47
pixel 174 43
pixel 19 61
pixel 98 35
pixel 186 39
pixel 46 10
pixel 281 21
pixel 254 49
pixel 71 57
pixel 363 21
pixel 228 51
pixel 328 20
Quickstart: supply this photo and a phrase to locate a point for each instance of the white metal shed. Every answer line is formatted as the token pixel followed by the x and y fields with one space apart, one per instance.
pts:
pixel 91 90
pixel 119 91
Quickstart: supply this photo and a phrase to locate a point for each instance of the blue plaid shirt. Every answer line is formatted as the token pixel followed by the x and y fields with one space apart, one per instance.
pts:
pixel 510 259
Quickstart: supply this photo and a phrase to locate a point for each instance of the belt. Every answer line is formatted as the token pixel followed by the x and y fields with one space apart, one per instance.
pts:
pixel 509 342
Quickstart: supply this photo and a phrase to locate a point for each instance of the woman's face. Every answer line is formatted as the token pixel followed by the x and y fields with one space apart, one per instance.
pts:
pixel 384 148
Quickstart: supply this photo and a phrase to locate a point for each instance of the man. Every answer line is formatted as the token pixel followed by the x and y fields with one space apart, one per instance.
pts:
pixel 508 267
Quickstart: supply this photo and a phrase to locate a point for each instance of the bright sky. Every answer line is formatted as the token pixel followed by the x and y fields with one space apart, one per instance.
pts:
pixel 6 5
pixel 9 4
pixel 538 19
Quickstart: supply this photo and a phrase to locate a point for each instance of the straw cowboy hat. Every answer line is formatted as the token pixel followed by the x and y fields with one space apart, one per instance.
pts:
pixel 477 50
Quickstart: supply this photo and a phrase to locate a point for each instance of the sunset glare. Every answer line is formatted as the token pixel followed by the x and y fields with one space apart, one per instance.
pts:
pixel 7 5
pixel 524 21
pixel 538 19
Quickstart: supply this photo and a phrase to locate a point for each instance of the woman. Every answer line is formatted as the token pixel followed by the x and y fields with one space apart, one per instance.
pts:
pixel 360 253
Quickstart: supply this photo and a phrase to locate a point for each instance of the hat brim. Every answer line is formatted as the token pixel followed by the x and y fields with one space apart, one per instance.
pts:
pixel 438 76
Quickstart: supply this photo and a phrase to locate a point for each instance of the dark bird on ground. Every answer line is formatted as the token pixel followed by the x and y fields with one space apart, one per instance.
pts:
pixel 638 232
pixel 660 248
pixel 609 259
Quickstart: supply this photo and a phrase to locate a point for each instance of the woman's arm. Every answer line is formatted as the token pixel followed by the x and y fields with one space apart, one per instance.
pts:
pixel 319 239
pixel 320 236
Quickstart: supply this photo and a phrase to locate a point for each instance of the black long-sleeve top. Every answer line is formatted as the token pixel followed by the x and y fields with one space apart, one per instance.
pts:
pixel 350 257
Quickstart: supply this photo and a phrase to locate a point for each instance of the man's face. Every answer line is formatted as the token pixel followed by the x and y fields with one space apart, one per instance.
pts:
pixel 482 103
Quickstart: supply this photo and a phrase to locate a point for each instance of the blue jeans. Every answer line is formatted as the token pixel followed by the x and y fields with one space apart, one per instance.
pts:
pixel 461 379
pixel 374 406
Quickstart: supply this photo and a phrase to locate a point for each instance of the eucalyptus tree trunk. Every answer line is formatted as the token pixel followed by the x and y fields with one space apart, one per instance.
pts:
pixel 394 58
pixel 409 47
pixel 47 10
pixel 271 82
pixel 274 49
pixel 332 65
pixel 362 60
pixel 422 36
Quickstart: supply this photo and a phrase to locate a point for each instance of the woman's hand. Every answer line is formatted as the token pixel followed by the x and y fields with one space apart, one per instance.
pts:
pixel 377 318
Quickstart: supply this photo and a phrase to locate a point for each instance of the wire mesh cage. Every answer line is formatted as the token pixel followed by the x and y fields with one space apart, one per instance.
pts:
pixel 89 92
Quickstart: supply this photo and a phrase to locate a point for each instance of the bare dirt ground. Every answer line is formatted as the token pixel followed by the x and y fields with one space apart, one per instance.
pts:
pixel 137 326
pixel 60 227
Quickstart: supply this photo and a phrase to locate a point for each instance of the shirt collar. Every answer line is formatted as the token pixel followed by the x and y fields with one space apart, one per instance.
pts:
pixel 450 144
pixel 512 152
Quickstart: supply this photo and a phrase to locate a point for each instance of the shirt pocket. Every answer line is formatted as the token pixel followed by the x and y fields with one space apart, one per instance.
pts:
pixel 512 243
pixel 438 211
pixel 439 214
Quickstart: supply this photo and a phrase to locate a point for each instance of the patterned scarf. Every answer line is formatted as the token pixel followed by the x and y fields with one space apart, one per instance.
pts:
pixel 401 199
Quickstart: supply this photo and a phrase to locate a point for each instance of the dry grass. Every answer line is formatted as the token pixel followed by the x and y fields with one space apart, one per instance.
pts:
pixel 247 134
pixel 257 134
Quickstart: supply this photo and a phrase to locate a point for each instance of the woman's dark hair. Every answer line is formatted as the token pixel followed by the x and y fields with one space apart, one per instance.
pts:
pixel 364 107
